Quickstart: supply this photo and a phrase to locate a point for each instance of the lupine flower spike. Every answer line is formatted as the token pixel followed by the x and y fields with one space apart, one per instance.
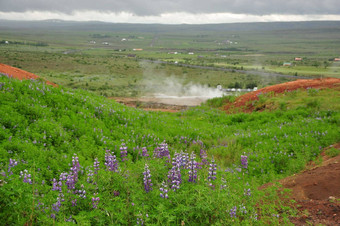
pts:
pixel 192 168
pixel 147 179
pixel 244 161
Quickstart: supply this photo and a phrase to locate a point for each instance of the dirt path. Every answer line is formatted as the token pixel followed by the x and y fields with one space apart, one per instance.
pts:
pixel 150 104
pixel 316 192
pixel 20 74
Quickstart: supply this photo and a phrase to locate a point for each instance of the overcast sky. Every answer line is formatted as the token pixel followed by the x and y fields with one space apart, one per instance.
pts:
pixel 171 11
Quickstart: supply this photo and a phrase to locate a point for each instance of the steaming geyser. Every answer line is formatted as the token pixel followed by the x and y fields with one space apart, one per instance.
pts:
pixel 173 90
pixel 190 94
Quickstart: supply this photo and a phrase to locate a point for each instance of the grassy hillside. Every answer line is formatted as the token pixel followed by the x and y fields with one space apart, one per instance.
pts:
pixel 71 156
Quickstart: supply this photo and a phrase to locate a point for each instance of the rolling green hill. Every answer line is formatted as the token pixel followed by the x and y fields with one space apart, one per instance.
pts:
pixel 72 156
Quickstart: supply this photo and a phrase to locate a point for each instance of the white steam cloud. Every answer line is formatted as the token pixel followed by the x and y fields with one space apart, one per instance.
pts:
pixel 174 90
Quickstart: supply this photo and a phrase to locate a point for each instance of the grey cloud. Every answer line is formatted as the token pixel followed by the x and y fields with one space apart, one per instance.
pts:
pixel 156 7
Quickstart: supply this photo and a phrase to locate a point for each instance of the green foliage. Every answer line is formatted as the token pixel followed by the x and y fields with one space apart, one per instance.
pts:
pixel 45 128
pixel 218 102
pixel 333 152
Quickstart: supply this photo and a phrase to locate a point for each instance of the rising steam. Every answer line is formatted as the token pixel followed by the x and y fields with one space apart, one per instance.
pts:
pixel 159 85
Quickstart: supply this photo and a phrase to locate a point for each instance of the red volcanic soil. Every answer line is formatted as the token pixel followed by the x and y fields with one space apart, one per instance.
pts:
pixel 20 74
pixel 244 102
pixel 316 192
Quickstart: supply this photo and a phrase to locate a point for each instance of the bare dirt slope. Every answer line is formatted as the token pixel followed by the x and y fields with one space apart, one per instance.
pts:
pixel 19 74
pixel 244 102
pixel 317 192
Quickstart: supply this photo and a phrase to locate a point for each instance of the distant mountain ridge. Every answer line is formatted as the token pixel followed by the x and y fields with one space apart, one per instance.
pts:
pixel 104 26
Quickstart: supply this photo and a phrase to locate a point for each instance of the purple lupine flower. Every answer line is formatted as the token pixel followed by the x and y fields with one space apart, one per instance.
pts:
pixel 232 212
pixel 26 176
pixel 244 161
pixel 74 202
pixel 70 181
pixel 75 166
pixel 254 217
pixel 56 206
pixel 63 176
pixel 95 201
pixel 164 190
pixel 224 184
pixel 192 166
pixel 174 178
pixel 123 152
pixel 180 160
pixel 243 209
pixel 162 151
pixel 147 179
pixel 174 175
pixel 247 192
pixel 40 205
pixel 12 163
pixel 72 177
pixel 212 171
pixel 96 166
pixel 81 192
pixel 56 186
pixel 69 219
pixel 140 221
pixel 204 156
pixel 111 161
pixel 61 196
pixel 90 176
pixel 176 161
pixel 145 152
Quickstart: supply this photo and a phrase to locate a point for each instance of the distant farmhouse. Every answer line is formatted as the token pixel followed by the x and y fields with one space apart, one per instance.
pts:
pixel 337 59
pixel 298 59
pixel 287 64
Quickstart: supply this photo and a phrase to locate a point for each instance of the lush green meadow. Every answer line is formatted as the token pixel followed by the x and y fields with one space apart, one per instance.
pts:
pixel 69 156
